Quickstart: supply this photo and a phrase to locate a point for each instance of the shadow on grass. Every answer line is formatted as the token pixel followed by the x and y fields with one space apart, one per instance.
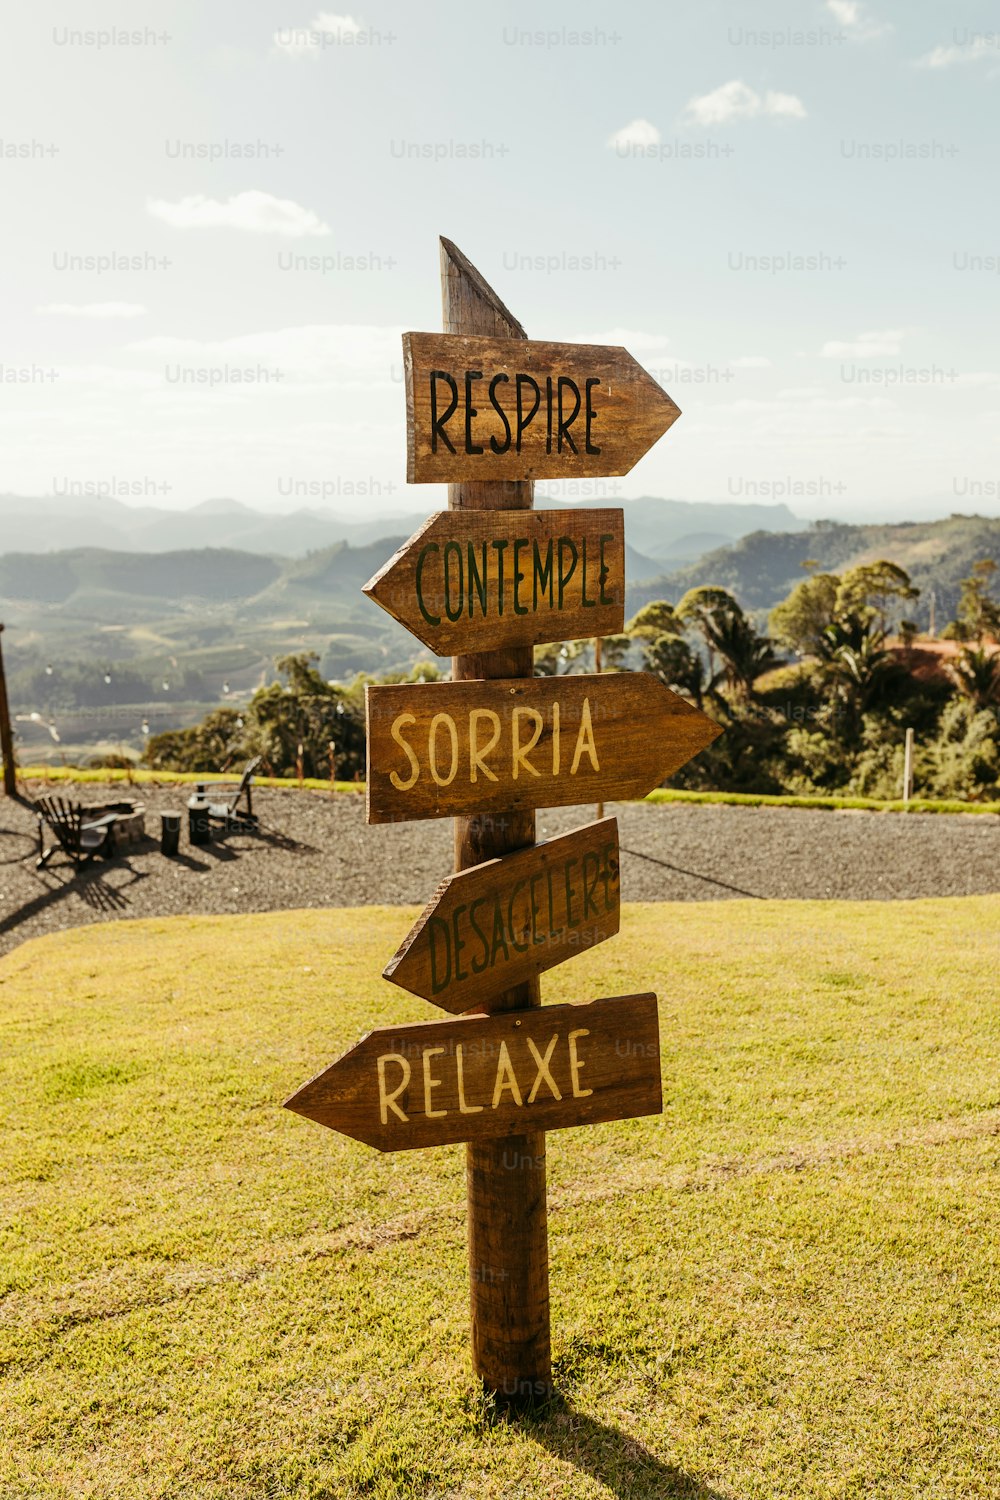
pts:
pixel 612 1457
pixel 606 1453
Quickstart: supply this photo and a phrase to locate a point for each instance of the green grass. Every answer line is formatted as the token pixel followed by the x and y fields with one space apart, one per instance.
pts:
pixel 661 795
pixel 140 776
pixel 786 1285
pixel 830 804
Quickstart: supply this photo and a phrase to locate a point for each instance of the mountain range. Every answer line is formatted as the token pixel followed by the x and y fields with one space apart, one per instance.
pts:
pixel 661 533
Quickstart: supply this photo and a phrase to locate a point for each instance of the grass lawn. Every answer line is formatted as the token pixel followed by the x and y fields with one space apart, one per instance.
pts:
pixel 138 777
pixel 787 1285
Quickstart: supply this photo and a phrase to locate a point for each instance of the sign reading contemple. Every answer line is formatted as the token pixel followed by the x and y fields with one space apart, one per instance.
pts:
pixel 441 749
pixel 473 1077
pixel 509 919
pixel 484 408
pixel 477 580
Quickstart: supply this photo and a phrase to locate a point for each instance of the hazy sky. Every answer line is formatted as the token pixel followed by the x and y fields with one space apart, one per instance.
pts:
pixel 273 177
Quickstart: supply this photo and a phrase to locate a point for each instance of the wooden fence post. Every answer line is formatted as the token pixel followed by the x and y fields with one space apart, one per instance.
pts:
pixel 6 737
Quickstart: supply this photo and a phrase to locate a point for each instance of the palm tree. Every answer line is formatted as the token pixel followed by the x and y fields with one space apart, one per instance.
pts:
pixel 729 635
pixel 977 674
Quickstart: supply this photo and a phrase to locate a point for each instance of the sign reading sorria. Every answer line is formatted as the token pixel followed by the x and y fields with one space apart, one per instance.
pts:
pixel 441 749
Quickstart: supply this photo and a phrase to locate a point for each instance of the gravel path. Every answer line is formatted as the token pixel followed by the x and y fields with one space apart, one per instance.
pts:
pixel 315 850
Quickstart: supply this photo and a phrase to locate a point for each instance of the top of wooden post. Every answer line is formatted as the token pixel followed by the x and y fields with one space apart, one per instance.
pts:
pixel 469 303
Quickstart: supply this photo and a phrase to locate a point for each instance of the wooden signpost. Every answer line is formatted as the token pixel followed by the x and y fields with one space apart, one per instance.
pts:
pixel 487 412
pixel 507 578
pixel 510 919
pixel 475 1077
pixel 507 408
pixel 437 750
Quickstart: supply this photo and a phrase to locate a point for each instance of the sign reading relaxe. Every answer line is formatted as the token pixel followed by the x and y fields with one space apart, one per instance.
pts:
pixel 485 408
pixel 444 749
pixel 478 580
pixel 473 1077
pixel 509 919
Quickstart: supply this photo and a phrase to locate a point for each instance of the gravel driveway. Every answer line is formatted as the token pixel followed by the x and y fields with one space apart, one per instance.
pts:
pixel 315 850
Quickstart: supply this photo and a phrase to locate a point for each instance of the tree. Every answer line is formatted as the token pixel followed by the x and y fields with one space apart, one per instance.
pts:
pixel 211 745
pixel 868 591
pixel 670 658
pixel 800 621
pixel 978 615
pixel 729 635
pixel 977 676
pixel 654 619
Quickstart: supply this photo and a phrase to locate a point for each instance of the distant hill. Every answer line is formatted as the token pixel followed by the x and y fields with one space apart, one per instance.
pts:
pixel 204 574
pixel 762 568
pixel 666 532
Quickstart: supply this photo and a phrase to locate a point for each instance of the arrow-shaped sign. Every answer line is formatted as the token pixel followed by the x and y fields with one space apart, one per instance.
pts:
pixel 484 408
pixel 450 749
pixel 472 1077
pixel 478 580
pixel 507 920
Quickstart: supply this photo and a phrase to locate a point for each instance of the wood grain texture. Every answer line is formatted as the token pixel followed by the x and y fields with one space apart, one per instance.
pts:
pixel 508 1225
pixel 478 1077
pixel 510 919
pixel 507 408
pixel 441 749
pixel 479 580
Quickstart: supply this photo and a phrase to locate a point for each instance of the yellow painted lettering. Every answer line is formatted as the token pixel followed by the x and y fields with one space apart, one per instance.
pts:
pixel 519 752
pixel 387 1101
pixel 431 1083
pixel 585 740
pixel 436 723
pixel 397 734
pixel 477 753
pixel 543 1069
pixel 575 1064
pixel 463 1108
pixel 506 1078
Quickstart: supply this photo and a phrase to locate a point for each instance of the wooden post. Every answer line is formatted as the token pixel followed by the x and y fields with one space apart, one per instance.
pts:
pixel 908 767
pixel 6 737
pixel 598 668
pixel 508 1230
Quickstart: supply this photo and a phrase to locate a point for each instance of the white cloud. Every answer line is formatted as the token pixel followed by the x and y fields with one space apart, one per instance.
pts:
pixel 738 101
pixel 340 354
pixel 638 133
pixel 260 213
pixel 630 338
pixel 93 309
pixel 309 41
pixel 852 15
pixel 866 345
pixel 977 379
pixel 969 52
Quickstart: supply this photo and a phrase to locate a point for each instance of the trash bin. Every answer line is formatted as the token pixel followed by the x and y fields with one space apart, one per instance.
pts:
pixel 199 826
pixel 170 832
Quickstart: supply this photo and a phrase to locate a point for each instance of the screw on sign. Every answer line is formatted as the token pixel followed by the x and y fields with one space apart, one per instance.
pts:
pixel 488 411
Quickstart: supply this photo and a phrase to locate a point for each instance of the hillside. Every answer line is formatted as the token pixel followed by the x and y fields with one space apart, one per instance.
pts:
pixel 760 569
pixel 668 532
